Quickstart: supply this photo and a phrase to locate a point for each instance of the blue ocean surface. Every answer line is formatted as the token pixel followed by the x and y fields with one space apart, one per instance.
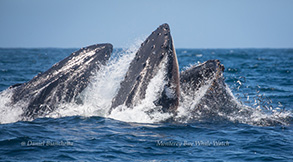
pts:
pixel 258 78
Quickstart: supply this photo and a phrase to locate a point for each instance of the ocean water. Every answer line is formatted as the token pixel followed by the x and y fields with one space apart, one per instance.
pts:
pixel 258 78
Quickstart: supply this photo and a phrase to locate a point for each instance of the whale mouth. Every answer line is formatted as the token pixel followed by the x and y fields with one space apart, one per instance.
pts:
pixel 140 84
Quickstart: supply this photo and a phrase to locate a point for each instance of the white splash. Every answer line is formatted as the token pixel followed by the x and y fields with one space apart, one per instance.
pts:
pixel 97 97
pixel 9 113
pixel 188 102
pixel 146 111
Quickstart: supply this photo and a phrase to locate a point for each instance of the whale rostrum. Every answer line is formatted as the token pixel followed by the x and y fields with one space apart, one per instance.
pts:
pixel 156 53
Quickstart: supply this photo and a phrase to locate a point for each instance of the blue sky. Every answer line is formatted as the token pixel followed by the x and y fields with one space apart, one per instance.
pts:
pixel 193 23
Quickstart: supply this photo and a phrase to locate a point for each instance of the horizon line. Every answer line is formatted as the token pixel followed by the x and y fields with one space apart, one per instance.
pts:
pixel 128 47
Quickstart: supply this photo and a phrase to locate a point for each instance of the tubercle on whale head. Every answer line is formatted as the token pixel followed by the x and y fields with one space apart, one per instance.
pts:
pixel 165 27
pixel 218 75
pixel 219 69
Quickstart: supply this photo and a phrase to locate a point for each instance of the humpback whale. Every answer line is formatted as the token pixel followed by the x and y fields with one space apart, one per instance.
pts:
pixel 61 83
pixel 207 79
pixel 156 53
